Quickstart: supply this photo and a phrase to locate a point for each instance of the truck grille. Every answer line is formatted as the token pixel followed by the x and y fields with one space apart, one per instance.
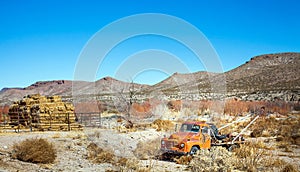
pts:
pixel 170 144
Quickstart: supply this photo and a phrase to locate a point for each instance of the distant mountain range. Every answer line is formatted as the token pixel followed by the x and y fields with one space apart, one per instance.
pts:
pixel 264 77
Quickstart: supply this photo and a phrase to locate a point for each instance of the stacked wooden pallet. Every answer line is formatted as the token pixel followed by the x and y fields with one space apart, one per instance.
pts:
pixel 43 113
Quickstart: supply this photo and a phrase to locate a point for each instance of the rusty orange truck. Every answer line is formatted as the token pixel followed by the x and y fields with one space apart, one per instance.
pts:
pixel 196 135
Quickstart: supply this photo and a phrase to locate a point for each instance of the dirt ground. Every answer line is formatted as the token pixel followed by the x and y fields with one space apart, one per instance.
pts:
pixel 72 153
pixel 72 150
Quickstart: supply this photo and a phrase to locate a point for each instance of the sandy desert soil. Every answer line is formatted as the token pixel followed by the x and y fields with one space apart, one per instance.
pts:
pixel 72 152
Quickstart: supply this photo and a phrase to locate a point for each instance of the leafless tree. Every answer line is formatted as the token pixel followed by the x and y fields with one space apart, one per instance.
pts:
pixel 126 97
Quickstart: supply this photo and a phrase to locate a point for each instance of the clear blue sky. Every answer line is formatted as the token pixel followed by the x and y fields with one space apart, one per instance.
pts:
pixel 41 40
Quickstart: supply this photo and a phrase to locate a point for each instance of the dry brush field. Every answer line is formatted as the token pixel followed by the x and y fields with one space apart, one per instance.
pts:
pixel 273 145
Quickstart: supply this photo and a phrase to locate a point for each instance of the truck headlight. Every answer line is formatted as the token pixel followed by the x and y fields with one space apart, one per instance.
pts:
pixel 182 145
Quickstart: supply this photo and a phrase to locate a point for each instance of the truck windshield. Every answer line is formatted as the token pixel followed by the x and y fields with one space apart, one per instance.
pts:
pixel 189 128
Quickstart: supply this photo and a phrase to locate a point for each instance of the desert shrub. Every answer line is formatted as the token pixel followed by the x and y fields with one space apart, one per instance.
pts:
pixel 257 132
pixel 165 125
pixel 56 136
pixel 287 130
pixel 290 130
pixel 275 163
pixel 128 164
pixel 175 105
pixel 3 163
pixel 286 146
pixel 185 160
pixel 148 149
pixel 142 126
pixel 264 124
pixel 289 168
pixel 217 159
pixel 132 164
pixel 205 106
pixel 36 150
pixel 235 107
pixel 98 155
pixel 249 156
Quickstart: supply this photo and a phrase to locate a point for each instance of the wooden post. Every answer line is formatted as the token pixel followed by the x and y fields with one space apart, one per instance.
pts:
pixel 69 129
pixel 99 119
pixel 18 122
pixel 38 120
pixel 50 120
pixel 90 116
pixel 30 122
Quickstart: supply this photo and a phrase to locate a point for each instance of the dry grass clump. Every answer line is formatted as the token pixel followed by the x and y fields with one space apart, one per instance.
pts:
pixel 270 162
pixel 264 124
pixel 132 164
pixel 56 136
pixel 36 150
pixel 142 126
pixel 249 156
pixel 254 156
pixel 217 159
pixel 148 149
pixel 235 106
pixel 98 155
pixel 286 129
pixel 289 168
pixel 184 160
pixel 286 146
pixel 3 163
pixel 164 125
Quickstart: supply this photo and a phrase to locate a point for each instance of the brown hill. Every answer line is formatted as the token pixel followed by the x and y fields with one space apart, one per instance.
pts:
pixel 66 88
pixel 263 77
pixel 58 87
pixel 179 82
pixel 272 73
pixel 266 72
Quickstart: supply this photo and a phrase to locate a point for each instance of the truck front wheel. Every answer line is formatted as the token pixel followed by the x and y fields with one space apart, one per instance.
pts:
pixel 194 150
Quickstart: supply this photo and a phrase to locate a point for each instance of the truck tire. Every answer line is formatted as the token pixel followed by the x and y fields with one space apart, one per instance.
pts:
pixel 165 156
pixel 233 147
pixel 194 150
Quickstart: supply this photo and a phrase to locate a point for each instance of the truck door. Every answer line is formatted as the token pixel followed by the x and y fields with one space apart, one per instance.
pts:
pixel 206 140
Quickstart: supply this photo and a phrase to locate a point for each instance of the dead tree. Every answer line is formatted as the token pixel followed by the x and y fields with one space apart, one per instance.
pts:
pixel 126 97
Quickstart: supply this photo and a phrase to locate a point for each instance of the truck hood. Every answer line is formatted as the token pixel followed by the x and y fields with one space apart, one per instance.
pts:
pixel 183 135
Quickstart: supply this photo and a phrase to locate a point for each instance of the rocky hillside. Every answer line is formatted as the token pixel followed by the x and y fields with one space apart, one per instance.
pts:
pixel 266 72
pixel 65 88
pixel 59 87
pixel 181 82
pixel 265 77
